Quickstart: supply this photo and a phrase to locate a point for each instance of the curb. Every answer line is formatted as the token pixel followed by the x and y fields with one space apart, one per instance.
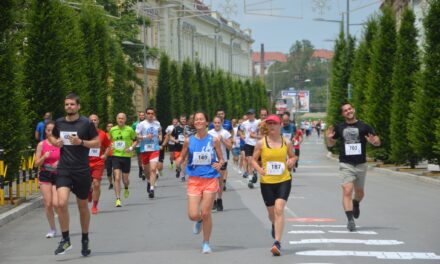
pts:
pixel 394 173
pixel 20 210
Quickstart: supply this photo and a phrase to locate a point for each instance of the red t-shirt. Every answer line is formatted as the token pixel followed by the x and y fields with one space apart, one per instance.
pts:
pixel 105 143
pixel 297 138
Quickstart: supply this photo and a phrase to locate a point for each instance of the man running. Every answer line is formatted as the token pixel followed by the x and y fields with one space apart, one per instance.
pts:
pixel 224 137
pixel 167 140
pixel 108 161
pixel 178 137
pixel 354 135
pixel 250 129
pixel 74 134
pixel 97 157
pixel 149 133
pixel 123 140
pixel 141 117
pixel 39 130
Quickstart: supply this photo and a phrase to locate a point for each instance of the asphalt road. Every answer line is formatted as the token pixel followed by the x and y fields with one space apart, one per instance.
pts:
pixel 398 223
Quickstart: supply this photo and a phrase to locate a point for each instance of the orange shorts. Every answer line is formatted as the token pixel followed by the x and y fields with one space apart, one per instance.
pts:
pixel 148 156
pixel 197 185
pixel 97 172
pixel 177 154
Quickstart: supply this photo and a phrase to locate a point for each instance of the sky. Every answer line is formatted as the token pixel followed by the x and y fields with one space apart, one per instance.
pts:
pixel 279 33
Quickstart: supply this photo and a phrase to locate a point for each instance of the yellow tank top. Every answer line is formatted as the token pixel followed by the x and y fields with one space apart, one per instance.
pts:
pixel 274 163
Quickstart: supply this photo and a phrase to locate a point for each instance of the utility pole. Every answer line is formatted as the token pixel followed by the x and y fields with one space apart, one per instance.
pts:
pixel 144 31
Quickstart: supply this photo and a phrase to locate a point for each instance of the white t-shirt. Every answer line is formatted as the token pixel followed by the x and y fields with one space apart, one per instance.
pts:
pixel 144 128
pixel 225 135
pixel 236 142
pixel 169 129
pixel 250 127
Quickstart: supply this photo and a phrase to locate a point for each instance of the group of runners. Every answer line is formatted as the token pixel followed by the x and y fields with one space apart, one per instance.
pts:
pixel 75 153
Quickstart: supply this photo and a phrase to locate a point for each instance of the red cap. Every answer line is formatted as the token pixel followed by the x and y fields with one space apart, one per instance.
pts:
pixel 274 118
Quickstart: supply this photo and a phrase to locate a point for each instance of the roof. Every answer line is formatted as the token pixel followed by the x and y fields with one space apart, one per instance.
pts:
pixel 323 54
pixel 270 56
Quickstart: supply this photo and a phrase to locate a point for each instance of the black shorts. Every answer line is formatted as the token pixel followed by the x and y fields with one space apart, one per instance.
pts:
pixel 227 154
pixel 224 166
pixel 78 181
pixel 273 191
pixel 171 148
pixel 121 163
pixel 47 177
pixel 297 152
pixel 161 156
pixel 242 147
pixel 109 166
pixel 249 150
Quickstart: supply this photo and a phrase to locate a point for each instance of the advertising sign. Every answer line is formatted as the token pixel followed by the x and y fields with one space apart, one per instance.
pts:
pixel 300 100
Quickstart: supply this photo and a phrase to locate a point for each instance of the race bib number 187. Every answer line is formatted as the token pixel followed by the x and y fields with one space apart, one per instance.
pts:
pixel 275 168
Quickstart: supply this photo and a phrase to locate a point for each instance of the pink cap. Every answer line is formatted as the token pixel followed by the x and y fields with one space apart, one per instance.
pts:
pixel 274 118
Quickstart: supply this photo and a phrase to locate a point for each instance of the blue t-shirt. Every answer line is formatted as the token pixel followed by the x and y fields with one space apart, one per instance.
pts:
pixel 288 131
pixel 201 155
pixel 242 142
pixel 40 130
pixel 227 125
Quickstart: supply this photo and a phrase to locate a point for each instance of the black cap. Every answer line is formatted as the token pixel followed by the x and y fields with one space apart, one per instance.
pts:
pixel 251 111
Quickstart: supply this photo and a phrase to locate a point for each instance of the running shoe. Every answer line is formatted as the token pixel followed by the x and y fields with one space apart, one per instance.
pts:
pixel 51 233
pixel 219 205
pixel 94 210
pixel 197 227
pixel 276 249
pixel 85 250
pixel 118 202
pixel 148 187
pixel 63 247
pixel 351 225
pixel 254 178
pixel 178 173
pixel 151 194
pixel 250 185
pixel 183 178
pixel 110 186
pixel 126 193
pixel 205 248
pixel 239 171
pixel 224 187
pixel 272 231
pixel 214 206
pixel 170 166
pixel 245 175
pixel 356 210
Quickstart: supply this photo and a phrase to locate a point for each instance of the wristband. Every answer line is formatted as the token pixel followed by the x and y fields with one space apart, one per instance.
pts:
pixel 130 148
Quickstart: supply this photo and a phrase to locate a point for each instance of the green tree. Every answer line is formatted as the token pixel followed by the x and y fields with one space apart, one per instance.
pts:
pixel 244 96
pixel 425 112
pixel 403 84
pixel 361 65
pixel 202 77
pixel 164 108
pixel 227 93
pixel 187 73
pixel 175 84
pixel 13 108
pixel 97 40
pixel 377 108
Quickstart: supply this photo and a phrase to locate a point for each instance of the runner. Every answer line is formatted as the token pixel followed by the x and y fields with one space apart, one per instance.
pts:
pixel 236 146
pixel 204 163
pixel 47 158
pixel 170 143
pixel 149 133
pixel 108 161
pixel 250 129
pixel 243 163
pixel 224 137
pixel 178 137
pixel 39 130
pixel 123 140
pixel 275 181
pixel 297 141
pixel 354 135
pixel 288 130
pixel 74 134
pixel 97 157
pixel 141 117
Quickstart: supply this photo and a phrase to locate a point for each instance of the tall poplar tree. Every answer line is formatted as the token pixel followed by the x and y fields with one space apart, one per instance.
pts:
pixel 164 107
pixel 405 70
pixel 175 84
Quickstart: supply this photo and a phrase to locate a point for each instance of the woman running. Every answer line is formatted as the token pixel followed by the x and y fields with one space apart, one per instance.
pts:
pixel 275 179
pixel 47 157
pixel 204 162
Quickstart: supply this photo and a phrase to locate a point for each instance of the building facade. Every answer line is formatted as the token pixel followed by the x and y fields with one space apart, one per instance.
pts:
pixel 189 30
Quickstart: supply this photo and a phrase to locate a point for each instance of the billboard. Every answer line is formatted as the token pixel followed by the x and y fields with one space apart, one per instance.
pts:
pixel 300 100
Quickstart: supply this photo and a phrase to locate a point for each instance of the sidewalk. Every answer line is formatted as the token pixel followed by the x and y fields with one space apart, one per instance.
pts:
pixel 392 170
pixel 11 212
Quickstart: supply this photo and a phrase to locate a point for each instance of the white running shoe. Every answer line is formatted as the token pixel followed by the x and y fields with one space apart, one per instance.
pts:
pixel 51 234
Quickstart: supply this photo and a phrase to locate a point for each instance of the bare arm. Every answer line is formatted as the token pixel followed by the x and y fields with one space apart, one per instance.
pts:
pixel 39 160
pixel 292 158
pixel 256 156
pixel 329 137
pixel 183 153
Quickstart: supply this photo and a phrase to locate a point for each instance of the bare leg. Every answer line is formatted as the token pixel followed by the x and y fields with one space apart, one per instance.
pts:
pixel 84 215
pixel 46 190
pixel 63 208
pixel 117 174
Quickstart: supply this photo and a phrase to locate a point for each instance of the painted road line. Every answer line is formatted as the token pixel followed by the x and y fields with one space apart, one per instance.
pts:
pixel 331 231
pixel 377 254
pixel 364 232
pixel 306 232
pixel 377 242
pixel 323 226
pixel 310 219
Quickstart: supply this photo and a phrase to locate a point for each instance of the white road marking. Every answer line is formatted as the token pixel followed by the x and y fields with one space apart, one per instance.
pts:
pixel 377 254
pixel 331 231
pixel 292 213
pixel 306 232
pixel 331 226
pixel 347 241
